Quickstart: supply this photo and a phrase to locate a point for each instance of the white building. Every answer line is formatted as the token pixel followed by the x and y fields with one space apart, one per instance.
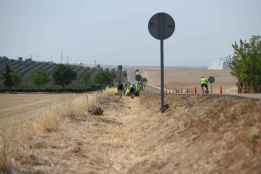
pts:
pixel 218 65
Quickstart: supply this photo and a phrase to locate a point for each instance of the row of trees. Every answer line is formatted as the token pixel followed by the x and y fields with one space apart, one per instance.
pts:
pixel 102 76
pixel 10 78
pixel 64 75
pixel 245 64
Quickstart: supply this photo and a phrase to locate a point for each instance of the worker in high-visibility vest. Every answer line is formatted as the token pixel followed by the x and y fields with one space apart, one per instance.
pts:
pixel 138 88
pixel 120 89
pixel 204 84
pixel 127 89
pixel 132 90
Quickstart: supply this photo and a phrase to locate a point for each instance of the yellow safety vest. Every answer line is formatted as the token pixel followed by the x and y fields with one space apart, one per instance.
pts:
pixel 204 81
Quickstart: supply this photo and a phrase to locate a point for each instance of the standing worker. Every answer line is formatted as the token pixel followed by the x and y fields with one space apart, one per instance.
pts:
pixel 204 84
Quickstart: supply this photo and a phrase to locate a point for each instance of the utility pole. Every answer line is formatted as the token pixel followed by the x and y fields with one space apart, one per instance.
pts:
pixel 62 56
pixel 67 60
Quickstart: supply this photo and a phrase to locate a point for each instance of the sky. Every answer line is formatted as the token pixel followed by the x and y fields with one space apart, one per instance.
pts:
pixel 116 32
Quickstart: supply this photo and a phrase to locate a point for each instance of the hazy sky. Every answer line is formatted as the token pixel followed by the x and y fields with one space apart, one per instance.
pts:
pixel 115 31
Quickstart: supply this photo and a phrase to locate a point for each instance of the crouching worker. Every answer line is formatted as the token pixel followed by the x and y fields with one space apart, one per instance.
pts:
pixel 120 89
pixel 130 90
pixel 138 88
pixel 127 89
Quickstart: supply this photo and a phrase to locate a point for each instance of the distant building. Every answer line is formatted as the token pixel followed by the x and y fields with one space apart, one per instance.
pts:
pixel 219 64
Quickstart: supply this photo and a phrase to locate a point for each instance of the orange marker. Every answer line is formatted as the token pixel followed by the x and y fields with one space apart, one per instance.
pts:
pixel 195 90
pixel 221 90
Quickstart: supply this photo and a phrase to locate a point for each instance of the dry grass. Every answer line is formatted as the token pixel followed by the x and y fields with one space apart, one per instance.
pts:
pixel 196 135
pixel 8 151
pixel 5 158
pixel 17 143
pixel 74 108
pixel 48 121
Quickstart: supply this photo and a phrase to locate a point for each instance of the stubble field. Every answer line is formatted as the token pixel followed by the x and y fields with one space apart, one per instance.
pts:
pixel 19 107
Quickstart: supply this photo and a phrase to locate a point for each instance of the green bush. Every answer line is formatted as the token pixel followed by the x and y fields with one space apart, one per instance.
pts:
pixel 40 78
pixel 64 75
pixel 246 64
pixel 10 78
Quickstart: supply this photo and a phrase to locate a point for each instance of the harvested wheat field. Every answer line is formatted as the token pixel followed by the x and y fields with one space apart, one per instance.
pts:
pixel 19 107
pixel 203 134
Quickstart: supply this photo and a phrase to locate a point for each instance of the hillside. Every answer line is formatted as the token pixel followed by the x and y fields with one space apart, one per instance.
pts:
pixel 203 134
pixel 26 67
pixel 32 76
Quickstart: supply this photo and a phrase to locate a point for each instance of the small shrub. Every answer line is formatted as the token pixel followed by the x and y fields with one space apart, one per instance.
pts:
pixel 95 110
pixel 48 122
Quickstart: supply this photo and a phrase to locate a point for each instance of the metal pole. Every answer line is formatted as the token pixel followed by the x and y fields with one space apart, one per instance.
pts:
pixel 162 74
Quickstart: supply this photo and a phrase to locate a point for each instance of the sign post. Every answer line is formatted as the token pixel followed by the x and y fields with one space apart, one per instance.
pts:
pixel 162 107
pixel 211 80
pixel 161 27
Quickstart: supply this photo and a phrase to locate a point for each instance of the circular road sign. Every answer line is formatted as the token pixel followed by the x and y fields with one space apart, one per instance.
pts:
pixel 161 26
pixel 211 79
